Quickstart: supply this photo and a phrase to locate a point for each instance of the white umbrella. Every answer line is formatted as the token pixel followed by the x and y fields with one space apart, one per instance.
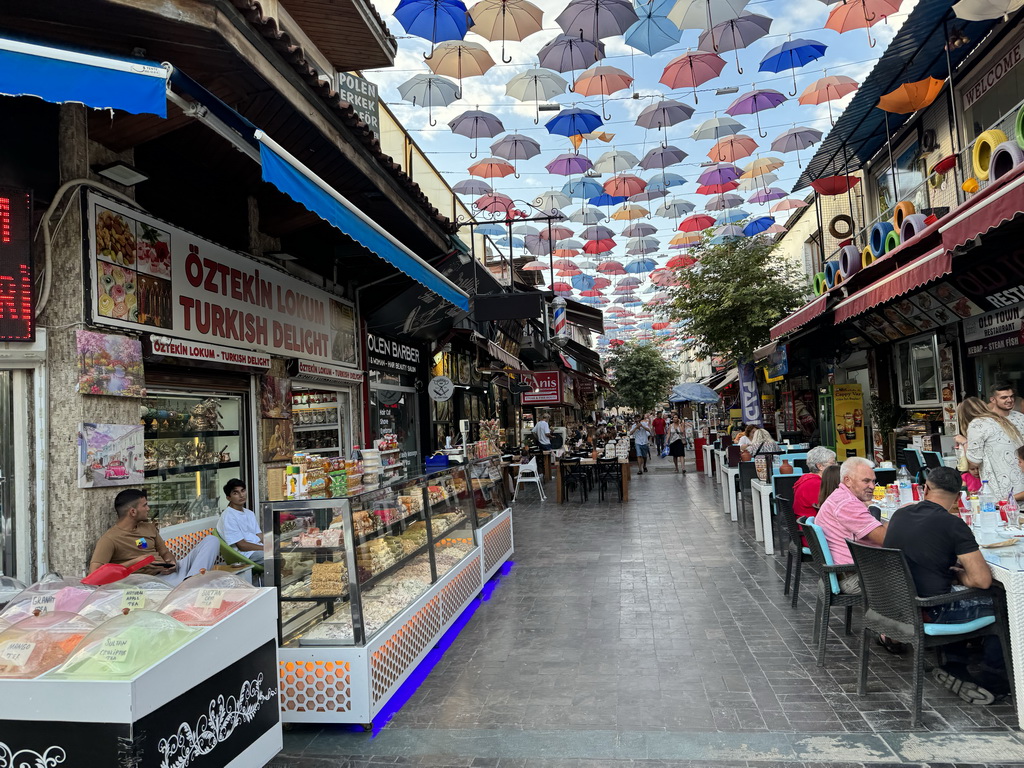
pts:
pixel 704 14
pixel 587 215
pixel 983 10
pixel 551 200
pixel 716 128
pixel 615 161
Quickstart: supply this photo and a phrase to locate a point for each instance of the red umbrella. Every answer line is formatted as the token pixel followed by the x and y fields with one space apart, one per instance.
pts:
pixel 624 185
pixel 660 326
pixel 717 189
pixel 491 167
pixel 592 292
pixel 558 232
pixel 664 279
pixel 692 69
pixel 561 287
pixel 834 185
pixel 611 268
pixel 564 253
pixel 496 203
pixel 602 282
pixel 598 246
pixel 696 223
pixel 564 264
pixel 681 262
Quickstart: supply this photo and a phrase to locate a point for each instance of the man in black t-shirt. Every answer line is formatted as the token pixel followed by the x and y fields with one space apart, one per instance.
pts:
pixel 943 556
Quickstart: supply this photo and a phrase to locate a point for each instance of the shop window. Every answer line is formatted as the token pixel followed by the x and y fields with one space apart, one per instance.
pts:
pixel 917 361
pixel 905 183
pixel 995 92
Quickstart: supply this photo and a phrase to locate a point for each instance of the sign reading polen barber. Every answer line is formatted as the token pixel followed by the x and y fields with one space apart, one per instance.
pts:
pixel 362 95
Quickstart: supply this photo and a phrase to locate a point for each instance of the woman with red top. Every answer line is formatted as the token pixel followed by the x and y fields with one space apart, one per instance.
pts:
pixel 808 485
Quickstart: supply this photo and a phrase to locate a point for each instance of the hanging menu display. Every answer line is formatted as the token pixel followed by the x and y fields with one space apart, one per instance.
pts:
pixel 150 276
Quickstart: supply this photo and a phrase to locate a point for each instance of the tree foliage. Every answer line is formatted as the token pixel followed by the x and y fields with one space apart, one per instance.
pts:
pixel 642 377
pixel 734 295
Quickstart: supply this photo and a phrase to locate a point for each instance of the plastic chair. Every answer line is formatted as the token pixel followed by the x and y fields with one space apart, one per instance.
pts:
pixel 796 553
pixel 829 596
pixel 932 459
pixel 528 473
pixel 885 476
pixel 574 475
pixel 782 486
pixel 733 455
pixel 892 607
pixel 608 471
pixel 232 555
pixel 914 461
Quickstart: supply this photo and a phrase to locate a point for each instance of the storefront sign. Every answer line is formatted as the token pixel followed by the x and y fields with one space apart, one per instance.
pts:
pixel 1000 68
pixel 440 389
pixel 994 331
pixel 384 354
pixel 998 282
pixel 152 277
pixel 194 350
pixel 362 95
pixel 17 304
pixel 750 400
pixel 778 364
pixel 324 372
pixel 546 386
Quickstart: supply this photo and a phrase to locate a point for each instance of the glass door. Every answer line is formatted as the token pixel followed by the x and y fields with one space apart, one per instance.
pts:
pixel 394 418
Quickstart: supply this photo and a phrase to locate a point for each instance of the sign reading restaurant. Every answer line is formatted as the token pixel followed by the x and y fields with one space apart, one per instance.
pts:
pixel 150 276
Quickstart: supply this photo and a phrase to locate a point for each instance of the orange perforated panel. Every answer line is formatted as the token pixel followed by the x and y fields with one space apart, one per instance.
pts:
pixel 180 545
pixel 315 686
pixel 389 662
pixel 451 541
pixel 497 543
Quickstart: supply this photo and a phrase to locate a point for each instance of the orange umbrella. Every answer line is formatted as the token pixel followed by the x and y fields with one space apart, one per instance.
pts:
pixel 860 14
pixel 729 149
pixel 911 97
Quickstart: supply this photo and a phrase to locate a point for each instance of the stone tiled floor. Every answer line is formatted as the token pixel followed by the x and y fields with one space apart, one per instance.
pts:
pixel 656 633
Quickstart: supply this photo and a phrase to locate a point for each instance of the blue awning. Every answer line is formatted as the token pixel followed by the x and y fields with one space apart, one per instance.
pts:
pixel 61 75
pixel 306 188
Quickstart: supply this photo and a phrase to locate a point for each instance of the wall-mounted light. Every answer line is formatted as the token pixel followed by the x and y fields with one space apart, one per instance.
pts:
pixel 124 174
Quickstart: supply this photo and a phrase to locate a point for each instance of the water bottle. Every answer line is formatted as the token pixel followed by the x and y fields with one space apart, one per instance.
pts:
pixel 989 511
pixel 905 486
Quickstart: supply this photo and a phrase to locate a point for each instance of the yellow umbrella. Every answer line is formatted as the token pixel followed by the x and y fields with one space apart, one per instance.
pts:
pixel 684 238
pixel 911 97
pixel 459 59
pixel 630 211
pixel 506 20
pixel 761 166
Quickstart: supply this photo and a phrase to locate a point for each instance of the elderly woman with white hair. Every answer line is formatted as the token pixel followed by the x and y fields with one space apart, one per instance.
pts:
pixel 808 485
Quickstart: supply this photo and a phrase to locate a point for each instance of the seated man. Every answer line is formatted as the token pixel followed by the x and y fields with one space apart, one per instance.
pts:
pixel 934 539
pixel 134 536
pixel 238 525
pixel 844 515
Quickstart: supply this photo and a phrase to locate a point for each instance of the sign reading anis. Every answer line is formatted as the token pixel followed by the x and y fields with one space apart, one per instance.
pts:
pixel 152 277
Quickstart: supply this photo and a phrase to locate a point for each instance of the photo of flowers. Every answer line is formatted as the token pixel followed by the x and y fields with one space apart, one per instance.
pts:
pixel 109 365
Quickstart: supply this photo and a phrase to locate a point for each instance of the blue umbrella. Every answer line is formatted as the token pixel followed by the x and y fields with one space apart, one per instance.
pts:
pixel 583 283
pixel 641 266
pixel 692 392
pixel 435 20
pixel 607 199
pixel 592 300
pixel 731 216
pixel 726 234
pixel 758 225
pixel 792 54
pixel 517 242
pixel 584 189
pixel 652 32
pixel 665 180
pixel 493 230
pixel 573 122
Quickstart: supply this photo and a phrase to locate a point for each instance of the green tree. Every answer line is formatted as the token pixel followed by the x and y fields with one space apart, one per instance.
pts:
pixel 642 377
pixel 734 295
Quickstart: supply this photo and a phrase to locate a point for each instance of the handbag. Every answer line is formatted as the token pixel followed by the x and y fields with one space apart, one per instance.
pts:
pixel 664 451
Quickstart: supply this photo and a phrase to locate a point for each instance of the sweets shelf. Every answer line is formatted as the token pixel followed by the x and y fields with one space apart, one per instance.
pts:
pixel 167 471
pixel 312 427
pixel 168 434
pixel 370 583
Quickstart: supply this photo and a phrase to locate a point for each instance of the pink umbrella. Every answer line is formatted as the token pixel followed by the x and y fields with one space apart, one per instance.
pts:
pixel 625 185
pixel 787 205
pixel 731 148
pixel 611 268
pixel 495 203
pixel 691 70
pixel 491 167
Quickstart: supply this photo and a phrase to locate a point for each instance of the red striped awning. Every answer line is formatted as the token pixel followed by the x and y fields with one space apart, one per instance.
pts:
pixel 917 273
pixel 802 316
pixel 993 206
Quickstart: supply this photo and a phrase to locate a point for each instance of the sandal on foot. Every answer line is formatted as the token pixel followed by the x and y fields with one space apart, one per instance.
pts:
pixel 895 647
pixel 967 690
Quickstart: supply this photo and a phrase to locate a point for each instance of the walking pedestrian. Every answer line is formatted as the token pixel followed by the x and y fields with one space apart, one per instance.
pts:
pixel 641 433
pixel 677 443
pixel 660 426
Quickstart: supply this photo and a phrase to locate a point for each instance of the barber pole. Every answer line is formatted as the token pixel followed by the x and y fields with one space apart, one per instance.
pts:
pixel 561 330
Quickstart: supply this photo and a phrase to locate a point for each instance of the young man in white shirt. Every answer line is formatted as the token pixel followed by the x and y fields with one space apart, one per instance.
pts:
pixel 238 526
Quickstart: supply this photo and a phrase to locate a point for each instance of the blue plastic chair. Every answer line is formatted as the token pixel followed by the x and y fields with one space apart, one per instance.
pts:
pixel 829 596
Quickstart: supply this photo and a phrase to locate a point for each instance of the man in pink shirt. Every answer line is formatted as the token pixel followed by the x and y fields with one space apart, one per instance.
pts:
pixel 844 515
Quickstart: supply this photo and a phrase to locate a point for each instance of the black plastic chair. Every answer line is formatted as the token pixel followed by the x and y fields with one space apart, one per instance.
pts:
pixel 748 472
pixel 574 475
pixel 885 476
pixel 796 552
pixel 892 607
pixel 732 454
pixel 782 485
pixel 608 471
pixel 829 596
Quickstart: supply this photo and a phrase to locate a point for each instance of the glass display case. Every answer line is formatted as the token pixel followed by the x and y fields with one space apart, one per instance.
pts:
pixel 193 446
pixel 320 421
pixel 489 492
pixel 346 567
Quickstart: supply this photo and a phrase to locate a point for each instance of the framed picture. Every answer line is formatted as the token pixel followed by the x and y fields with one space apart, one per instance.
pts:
pixel 109 364
pixel 109 455
pixel 277 439
pixel 275 397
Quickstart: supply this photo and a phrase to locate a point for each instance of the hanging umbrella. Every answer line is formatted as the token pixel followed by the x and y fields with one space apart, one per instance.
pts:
pixel 686 238
pixel 910 97
pixel 429 91
pixel 608 200
pixel 585 283
pixel 652 32
pixel 495 203
pixel 634 282
pixel 615 161
pixel 662 157
pixel 556 232
pixel 834 185
pixel 792 55
pixel 732 148
pixel 704 14
pixel 796 139
pixel 506 20
pixel 515 242
pixel 716 128
pixel 674 208
pixel 535 85
pixel 491 167
pixel 719 173
pixel 662 114
pixel 665 181
pixel 761 166
pixel 860 14
pixel 731 216
pixel 680 262
pixel 596 232
pixel 639 229
pixel 641 246
pixel 630 211
pixel 569 164
pixel 725 234
pixel 754 102
pixel 472 187
pixel 600 282
pixel 985 10
pixel 641 266
pixel 601 81
pixel 567 53
pixel 490 230
pixel 570 122
pixel 755 183
pixel 717 189
pixel 565 264
pixel 722 202
pixel 624 290
pixel 433 20
pixel 692 392
pixel 525 229
pixel 825 90
pixel 596 19
pixel 734 34
pixel 589 291
pixel 698 222
pixel 588 216
pixel 611 268
pixel 594 247
pixel 459 59
pixel 787 205
pixel 774 229
pixel 766 195
pixel 594 300
pixel 691 70
pixel 648 195
pixel 474 124
pixel 758 225
pixel 516 147
pixel 560 287
pixel 551 201
pixel 566 253
pixel 584 189
pixel 625 185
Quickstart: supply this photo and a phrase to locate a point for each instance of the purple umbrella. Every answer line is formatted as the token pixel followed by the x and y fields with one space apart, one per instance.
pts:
pixel 474 187
pixel 597 232
pixel 796 139
pixel 515 147
pixel 569 164
pixel 663 114
pixel 767 195
pixel 662 157
pixel 597 19
pixel 753 102
pixel 734 34
pixel 723 202
pixel 719 173
pixel 475 124
pixel 568 53
pixel 647 195
pixel 537 245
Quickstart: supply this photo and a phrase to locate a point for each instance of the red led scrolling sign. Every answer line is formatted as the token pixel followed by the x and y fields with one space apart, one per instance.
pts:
pixel 17 302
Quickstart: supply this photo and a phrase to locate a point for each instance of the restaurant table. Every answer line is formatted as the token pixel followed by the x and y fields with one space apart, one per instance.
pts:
pixel 729 492
pixel 624 468
pixel 761 498
pixel 721 462
pixel 1008 569
pixel 707 450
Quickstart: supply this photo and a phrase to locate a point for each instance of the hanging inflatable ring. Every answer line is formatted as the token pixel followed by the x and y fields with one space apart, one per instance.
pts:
pixel 902 210
pixel 892 240
pixel 866 257
pixel 879 232
pixel 981 155
pixel 836 232
pixel 1005 158
pixel 819 284
pixel 1019 127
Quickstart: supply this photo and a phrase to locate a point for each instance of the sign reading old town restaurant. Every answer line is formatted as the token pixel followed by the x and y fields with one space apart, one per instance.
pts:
pixel 152 277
